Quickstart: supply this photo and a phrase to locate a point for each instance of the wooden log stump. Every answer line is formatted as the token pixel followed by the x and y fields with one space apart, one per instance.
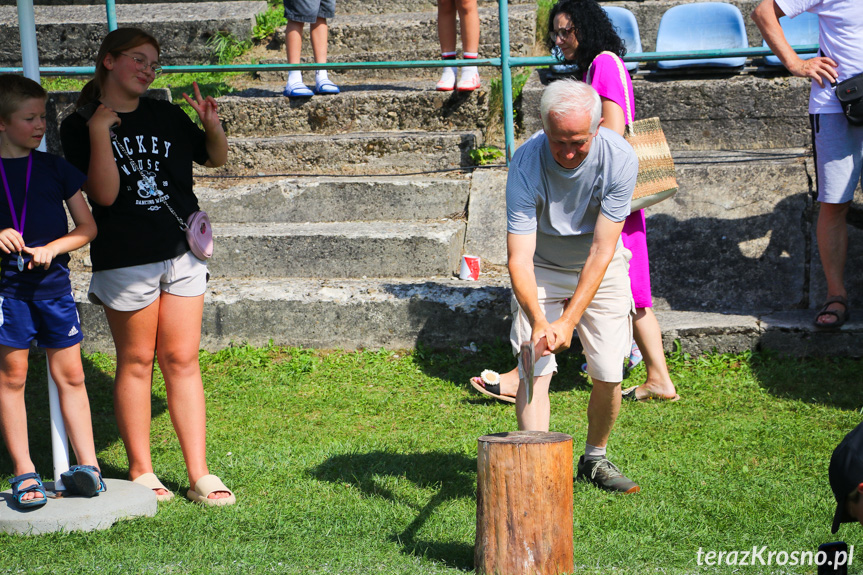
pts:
pixel 524 504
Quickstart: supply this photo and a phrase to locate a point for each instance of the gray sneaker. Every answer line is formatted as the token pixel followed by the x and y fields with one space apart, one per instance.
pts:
pixel 605 475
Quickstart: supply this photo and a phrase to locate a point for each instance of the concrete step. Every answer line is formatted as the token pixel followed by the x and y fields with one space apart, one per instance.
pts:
pixel 338 250
pixel 364 108
pixel 380 76
pixel 394 6
pixel 70 35
pixel 399 313
pixel 404 37
pixel 737 112
pixel 335 200
pixel 366 153
pixel 354 35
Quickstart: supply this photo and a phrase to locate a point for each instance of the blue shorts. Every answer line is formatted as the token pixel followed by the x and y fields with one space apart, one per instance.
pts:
pixel 309 10
pixel 53 323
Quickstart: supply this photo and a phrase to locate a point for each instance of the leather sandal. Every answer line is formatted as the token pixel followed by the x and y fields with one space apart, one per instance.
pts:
pixel 841 318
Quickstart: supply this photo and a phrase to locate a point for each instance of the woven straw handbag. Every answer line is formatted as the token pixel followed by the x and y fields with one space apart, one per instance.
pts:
pixel 656 177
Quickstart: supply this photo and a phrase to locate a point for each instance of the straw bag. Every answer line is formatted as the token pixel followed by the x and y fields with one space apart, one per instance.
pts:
pixel 656 178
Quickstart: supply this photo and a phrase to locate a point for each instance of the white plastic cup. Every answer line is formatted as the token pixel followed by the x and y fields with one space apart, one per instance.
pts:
pixel 469 268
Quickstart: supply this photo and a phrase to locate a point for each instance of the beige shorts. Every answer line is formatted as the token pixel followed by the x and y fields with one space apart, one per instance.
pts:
pixel 136 287
pixel 605 329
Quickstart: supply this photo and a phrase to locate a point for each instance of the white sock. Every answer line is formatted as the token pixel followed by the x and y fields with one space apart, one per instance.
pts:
pixel 295 77
pixel 593 452
pixel 320 76
pixel 448 75
pixel 468 71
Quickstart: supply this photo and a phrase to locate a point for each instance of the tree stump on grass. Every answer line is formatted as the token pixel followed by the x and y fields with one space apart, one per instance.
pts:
pixel 524 504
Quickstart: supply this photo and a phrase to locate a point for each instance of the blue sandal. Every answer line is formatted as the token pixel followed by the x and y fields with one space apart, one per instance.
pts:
pixel 17 492
pixel 84 480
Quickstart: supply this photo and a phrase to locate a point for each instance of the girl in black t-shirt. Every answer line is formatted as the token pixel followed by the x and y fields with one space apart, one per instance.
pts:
pixel 138 156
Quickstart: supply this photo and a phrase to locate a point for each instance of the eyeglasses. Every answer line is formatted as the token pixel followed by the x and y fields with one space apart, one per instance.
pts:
pixel 142 65
pixel 561 34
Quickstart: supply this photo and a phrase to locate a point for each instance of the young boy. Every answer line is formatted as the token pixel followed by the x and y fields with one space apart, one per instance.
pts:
pixel 315 12
pixel 36 300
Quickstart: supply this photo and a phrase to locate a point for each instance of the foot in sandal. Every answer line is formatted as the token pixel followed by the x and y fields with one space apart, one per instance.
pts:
pixel 150 481
pixel 499 386
pixel 209 490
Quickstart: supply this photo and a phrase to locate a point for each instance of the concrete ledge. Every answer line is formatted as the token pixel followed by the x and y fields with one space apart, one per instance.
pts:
pixel 338 250
pixel 357 109
pixel 122 500
pixel 738 112
pixel 353 35
pixel 361 199
pixel 368 153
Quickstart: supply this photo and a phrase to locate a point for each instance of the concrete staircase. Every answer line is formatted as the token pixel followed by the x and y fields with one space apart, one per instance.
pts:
pixel 340 220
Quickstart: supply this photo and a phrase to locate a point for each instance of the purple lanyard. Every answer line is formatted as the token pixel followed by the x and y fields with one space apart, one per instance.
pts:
pixel 18 229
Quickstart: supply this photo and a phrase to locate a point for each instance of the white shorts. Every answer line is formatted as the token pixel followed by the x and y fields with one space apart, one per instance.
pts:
pixel 136 287
pixel 605 329
pixel 838 157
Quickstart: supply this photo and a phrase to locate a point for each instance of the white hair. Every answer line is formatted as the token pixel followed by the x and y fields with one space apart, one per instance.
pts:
pixel 567 96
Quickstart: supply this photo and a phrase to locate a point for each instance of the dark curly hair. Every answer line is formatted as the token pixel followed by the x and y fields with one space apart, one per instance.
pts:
pixel 593 30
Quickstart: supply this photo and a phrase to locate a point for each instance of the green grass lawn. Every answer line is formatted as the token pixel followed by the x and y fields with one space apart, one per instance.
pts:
pixel 366 463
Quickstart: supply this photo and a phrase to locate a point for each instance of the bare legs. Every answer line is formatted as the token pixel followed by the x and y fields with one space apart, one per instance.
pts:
pixel 602 409
pixel 161 330
pixel 832 233
pixel 319 36
pixel 648 336
pixel 68 374
pixel 468 15
pixel 446 29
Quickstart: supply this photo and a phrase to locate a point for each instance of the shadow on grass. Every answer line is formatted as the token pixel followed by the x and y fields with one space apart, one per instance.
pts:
pixel 452 475
pixel 833 382
pixel 100 392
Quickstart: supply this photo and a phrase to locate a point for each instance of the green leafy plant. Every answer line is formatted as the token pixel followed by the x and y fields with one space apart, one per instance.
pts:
pixel 267 22
pixel 227 47
pixel 485 155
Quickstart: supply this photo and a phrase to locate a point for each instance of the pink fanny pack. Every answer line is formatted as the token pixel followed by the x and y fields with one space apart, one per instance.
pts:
pixel 199 234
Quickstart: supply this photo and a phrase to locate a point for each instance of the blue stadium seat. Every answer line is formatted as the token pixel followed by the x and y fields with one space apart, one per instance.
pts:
pixel 627 28
pixel 701 26
pixel 799 31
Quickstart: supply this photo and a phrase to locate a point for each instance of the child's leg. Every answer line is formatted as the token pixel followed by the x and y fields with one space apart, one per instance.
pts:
pixel 68 374
pixel 13 413
pixel 469 18
pixel 446 12
pixel 179 340
pixel 134 334
pixel 293 47
pixel 294 41
pixel 318 34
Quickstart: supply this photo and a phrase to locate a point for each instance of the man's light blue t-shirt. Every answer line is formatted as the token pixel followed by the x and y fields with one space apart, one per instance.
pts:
pixel 562 205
